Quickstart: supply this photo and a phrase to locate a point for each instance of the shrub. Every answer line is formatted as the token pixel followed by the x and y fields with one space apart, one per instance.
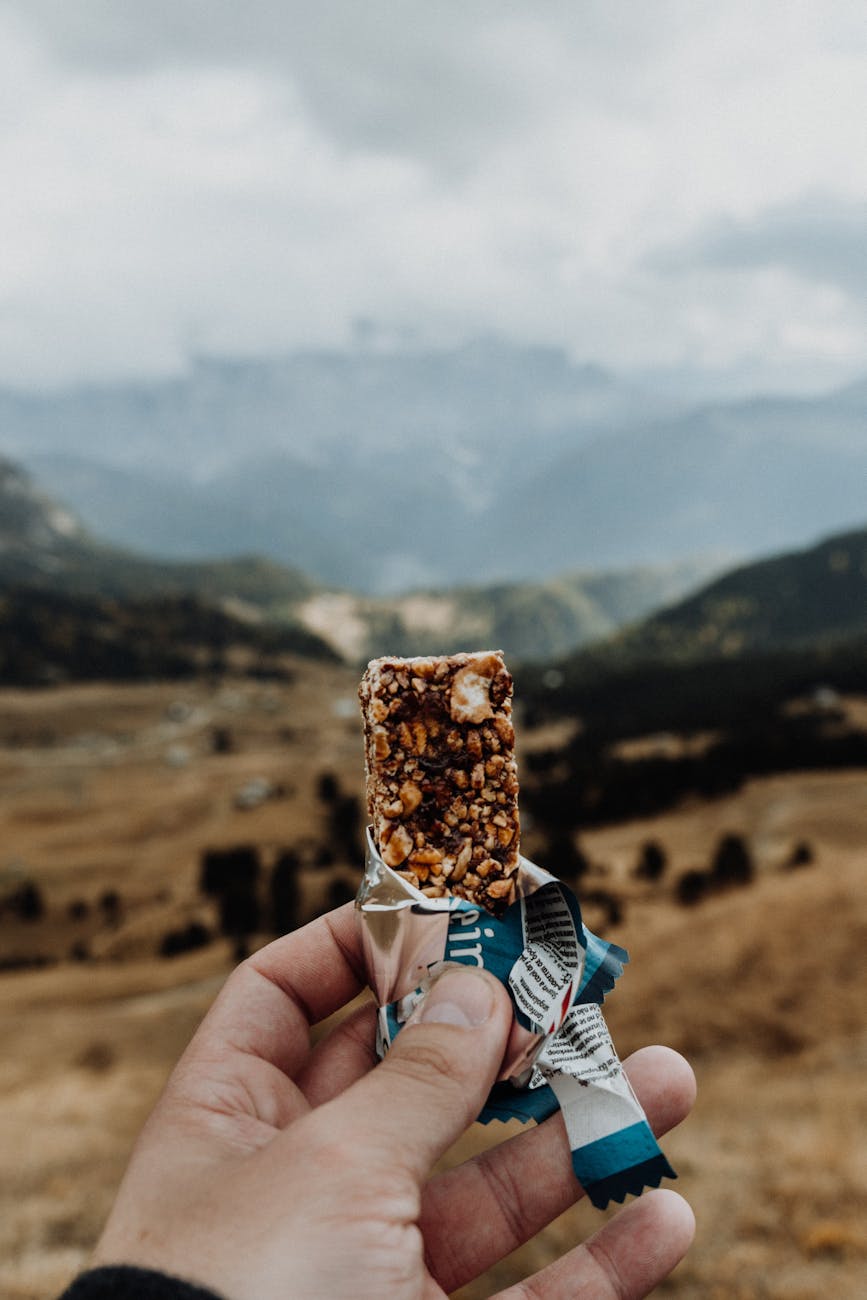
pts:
pixel 25 961
pixel 110 903
pixel 802 855
pixel 692 887
pixel 222 740
pixel 192 936
pixel 732 862
pixel 97 1057
pixel 612 906
pixel 652 862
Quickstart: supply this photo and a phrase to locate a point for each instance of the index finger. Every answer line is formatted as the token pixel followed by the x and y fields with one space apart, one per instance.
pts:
pixel 268 1004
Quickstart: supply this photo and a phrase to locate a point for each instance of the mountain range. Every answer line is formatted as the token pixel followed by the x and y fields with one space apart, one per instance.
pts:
pixel 47 550
pixel 44 545
pixel 807 597
pixel 738 652
pixel 811 598
pixel 487 463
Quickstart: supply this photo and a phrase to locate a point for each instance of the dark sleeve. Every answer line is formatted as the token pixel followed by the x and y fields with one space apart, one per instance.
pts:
pixel 124 1283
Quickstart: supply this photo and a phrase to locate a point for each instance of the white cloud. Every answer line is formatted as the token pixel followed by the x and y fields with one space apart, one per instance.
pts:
pixel 199 177
pixel 816 236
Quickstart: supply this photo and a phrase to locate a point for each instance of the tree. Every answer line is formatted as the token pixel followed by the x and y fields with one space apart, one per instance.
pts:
pixel 27 902
pixel 284 892
pixel 223 869
pixel 240 916
pixel 328 787
pixel 346 827
pixel 565 857
pixel 111 903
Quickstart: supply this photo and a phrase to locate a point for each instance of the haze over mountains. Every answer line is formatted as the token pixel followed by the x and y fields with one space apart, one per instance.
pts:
pixel 383 472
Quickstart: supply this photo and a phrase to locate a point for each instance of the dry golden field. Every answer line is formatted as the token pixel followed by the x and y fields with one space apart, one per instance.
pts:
pixel 120 789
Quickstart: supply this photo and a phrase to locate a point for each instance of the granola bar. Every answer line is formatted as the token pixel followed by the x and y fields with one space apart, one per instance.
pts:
pixel 442 785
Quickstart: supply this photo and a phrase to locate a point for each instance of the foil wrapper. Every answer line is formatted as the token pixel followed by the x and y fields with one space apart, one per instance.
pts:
pixel 557 972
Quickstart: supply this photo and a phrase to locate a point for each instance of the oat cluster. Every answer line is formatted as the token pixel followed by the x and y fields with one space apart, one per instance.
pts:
pixel 442 784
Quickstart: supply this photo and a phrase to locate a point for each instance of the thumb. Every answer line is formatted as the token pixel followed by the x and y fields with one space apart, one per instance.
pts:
pixel 437 1074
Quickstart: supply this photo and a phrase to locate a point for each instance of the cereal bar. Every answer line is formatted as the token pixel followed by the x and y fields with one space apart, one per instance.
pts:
pixel 442 785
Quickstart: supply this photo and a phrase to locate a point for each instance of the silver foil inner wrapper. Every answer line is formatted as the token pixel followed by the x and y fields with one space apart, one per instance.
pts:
pixel 559 1052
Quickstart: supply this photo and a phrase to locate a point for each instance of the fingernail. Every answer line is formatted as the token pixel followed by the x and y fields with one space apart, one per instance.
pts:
pixel 463 998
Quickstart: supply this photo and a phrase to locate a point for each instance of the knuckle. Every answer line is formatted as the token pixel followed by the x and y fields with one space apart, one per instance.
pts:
pixel 427 1063
pixel 509 1195
pixel 610 1283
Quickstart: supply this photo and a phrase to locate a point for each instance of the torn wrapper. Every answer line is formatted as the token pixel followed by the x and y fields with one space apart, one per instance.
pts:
pixel 557 972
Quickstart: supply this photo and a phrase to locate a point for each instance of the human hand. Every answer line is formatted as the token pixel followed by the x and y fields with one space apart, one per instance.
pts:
pixel 271 1170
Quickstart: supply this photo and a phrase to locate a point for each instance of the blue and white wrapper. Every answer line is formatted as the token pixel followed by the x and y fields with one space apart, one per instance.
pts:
pixel 558 973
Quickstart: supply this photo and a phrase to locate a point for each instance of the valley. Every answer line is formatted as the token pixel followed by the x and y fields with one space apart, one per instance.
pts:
pixel 112 795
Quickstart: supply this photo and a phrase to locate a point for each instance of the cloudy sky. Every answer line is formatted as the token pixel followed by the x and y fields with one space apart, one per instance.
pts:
pixel 660 186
